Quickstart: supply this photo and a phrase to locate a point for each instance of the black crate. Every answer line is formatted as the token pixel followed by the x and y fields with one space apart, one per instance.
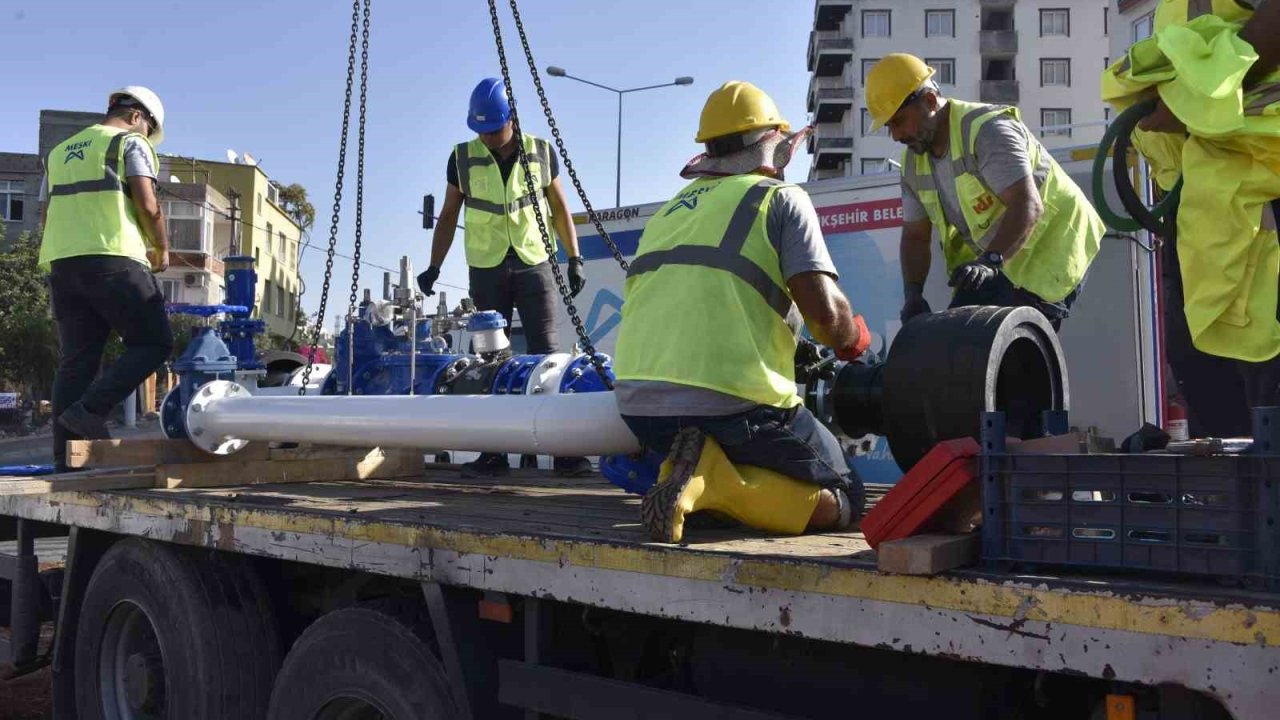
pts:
pixel 1208 516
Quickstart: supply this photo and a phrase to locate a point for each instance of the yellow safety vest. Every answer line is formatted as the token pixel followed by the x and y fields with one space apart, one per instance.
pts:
pixel 1054 259
pixel 705 303
pixel 500 215
pixel 90 207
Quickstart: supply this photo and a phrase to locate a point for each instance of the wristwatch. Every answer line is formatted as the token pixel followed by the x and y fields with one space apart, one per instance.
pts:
pixel 993 259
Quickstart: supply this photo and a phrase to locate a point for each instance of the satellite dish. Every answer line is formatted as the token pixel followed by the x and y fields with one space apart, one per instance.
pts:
pixel 174 179
pixel 232 157
pixel 249 159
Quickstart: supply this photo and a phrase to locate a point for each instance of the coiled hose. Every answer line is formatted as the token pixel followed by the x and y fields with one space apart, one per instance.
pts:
pixel 1115 144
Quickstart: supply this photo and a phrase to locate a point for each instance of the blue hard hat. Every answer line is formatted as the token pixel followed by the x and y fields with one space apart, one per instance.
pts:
pixel 489 109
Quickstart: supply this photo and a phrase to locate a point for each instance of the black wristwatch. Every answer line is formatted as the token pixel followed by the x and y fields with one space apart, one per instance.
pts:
pixel 993 259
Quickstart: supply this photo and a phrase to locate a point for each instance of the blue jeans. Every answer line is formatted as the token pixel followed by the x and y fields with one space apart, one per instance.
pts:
pixel 1003 293
pixel 791 442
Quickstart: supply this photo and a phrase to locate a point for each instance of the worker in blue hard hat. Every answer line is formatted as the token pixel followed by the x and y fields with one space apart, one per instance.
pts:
pixel 510 266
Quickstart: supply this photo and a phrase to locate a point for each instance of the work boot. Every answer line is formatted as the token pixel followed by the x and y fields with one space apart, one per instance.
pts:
pixel 572 466
pixel 487 465
pixel 80 421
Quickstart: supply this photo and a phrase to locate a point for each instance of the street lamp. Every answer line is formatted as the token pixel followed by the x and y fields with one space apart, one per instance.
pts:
pixel 559 72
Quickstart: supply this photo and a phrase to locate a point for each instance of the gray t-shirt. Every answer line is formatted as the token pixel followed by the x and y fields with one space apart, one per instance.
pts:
pixel 137 163
pixel 1004 157
pixel 796 233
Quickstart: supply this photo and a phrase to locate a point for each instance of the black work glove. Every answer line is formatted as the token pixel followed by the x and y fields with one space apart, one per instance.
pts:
pixel 915 303
pixel 973 276
pixel 427 280
pixel 577 279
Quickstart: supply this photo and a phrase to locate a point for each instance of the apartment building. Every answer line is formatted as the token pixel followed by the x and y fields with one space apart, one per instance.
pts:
pixel 1137 22
pixel 1044 56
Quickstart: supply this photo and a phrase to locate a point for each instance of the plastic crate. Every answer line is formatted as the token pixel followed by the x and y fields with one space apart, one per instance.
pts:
pixel 1207 516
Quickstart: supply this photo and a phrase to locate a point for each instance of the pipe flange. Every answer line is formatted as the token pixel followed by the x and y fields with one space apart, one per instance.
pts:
pixel 546 376
pixel 197 428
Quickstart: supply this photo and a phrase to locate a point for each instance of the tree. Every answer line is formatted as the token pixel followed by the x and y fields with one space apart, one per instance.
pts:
pixel 293 198
pixel 28 335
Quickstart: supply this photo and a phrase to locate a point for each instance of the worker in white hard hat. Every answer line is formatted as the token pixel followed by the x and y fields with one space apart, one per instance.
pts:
pixel 104 237
pixel 1015 228
pixel 725 274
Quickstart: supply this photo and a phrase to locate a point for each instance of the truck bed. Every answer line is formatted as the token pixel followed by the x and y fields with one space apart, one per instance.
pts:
pixel 580 540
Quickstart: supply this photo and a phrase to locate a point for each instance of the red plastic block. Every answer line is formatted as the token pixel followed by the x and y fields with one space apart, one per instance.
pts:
pixel 924 492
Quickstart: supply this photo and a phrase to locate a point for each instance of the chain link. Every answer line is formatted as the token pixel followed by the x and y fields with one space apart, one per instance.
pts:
pixel 532 189
pixel 564 152
pixel 337 197
pixel 359 228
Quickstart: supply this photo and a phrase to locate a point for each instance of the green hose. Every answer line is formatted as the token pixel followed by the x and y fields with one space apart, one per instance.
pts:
pixel 1117 134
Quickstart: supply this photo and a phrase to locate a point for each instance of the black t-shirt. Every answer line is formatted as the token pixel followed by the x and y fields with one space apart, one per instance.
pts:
pixel 505 166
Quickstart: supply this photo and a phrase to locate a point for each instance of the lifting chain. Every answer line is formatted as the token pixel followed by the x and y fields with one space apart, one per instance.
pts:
pixel 342 166
pixel 531 188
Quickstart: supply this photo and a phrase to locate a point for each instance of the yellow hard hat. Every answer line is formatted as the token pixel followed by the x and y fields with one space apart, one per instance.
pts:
pixel 736 107
pixel 890 82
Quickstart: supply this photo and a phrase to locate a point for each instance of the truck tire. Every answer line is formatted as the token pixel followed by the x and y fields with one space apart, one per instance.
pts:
pixel 170 632
pixel 946 368
pixel 359 663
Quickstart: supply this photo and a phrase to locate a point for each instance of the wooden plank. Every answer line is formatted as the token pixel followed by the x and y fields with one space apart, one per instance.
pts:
pixel 85 481
pixel 149 451
pixel 323 452
pixel 373 464
pixel 927 554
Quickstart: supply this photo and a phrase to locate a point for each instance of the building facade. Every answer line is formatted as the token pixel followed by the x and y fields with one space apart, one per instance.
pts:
pixel 1044 56
pixel 198 220
pixel 265 231
pixel 19 194
pixel 1137 22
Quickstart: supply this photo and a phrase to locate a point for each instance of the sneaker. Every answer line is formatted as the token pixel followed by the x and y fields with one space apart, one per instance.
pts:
pixel 487 465
pixel 84 423
pixel 572 466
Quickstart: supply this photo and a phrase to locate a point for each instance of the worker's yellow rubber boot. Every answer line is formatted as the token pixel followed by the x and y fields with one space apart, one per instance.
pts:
pixel 697 476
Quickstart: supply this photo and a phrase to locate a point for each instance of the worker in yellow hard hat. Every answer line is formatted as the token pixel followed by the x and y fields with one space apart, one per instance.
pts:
pixel 1015 229
pixel 724 275
pixel 1213 64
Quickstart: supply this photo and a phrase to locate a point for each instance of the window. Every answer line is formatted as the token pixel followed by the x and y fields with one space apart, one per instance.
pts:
pixel 185 222
pixel 282 309
pixel 268 295
pixel 867 63
pixel 259 203
pixel 866 126
pixel 873 166
pixel 11 199
pixel 170 290
pixel 273 194
pixel 1106 114
pixel 1055 72
pixel 875 23
pixel 271 240
pixel 1106 62
pixel 283 252
pixel 1055 23
pixel 946 68
pixel 939 23
pixel 1143 27
pixel 1106 21
pixel 1055 118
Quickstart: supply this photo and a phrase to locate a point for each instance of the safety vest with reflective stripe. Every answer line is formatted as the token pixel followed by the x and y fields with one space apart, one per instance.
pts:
pixel 1064 242
pixel 705 302
pixel 1179 12
pixel 500 215
pixel 90 207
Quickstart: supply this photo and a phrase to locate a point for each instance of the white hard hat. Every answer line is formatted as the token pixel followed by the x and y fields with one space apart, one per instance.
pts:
pixel 148 100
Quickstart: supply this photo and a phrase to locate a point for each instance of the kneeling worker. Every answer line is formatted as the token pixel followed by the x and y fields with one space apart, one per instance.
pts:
pixel 1015 229
pixel 706 352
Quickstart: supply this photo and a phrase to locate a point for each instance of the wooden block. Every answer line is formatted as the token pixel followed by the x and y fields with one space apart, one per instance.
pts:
pixel 373 464
pixel 149 451
pixel 927 554
pixel 1069 444
pixel 321 452
pixel 84 481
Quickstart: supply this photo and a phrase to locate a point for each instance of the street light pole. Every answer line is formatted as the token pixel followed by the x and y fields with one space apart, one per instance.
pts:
pixel 560 72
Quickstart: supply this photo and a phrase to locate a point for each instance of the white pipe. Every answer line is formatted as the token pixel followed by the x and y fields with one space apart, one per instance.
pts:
pixel 546 424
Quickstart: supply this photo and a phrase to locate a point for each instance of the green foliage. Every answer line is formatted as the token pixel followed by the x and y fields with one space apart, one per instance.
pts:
pixel 28 335
pixel 293 198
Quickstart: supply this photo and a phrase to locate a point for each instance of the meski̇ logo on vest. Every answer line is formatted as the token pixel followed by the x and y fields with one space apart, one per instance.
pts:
pixel 687 199
pixel 76 150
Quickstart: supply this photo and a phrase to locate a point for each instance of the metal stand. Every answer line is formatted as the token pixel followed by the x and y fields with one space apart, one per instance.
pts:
pixel 993 445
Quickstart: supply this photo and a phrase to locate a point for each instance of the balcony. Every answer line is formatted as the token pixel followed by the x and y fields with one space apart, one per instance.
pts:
pixel 828 14
pixel 830 152
pixel 828 53
pixel 999 91
pixel 830 104
pixel 998 43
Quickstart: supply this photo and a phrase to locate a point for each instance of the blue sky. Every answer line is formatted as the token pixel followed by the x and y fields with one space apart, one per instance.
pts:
pixel 268 78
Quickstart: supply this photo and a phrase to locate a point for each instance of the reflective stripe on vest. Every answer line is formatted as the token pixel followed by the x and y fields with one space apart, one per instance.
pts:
pixel 499 214
pixel 90 209
pixel 1054 258
pixel 706 304
pixel 727 256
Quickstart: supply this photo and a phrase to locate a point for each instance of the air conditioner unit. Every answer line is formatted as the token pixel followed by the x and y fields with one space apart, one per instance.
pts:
pixel 195 280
